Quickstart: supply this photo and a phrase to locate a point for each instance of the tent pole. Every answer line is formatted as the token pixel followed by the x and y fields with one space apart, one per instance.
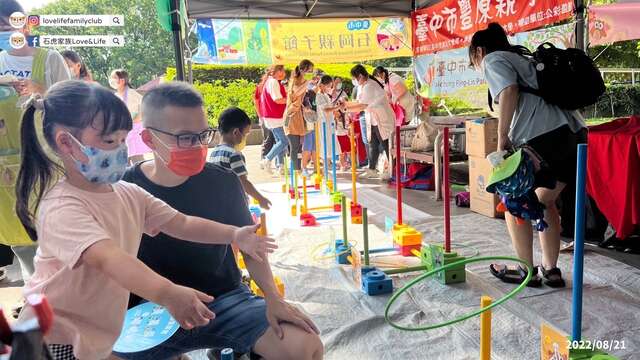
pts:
pixel 176 28
pixel 580 25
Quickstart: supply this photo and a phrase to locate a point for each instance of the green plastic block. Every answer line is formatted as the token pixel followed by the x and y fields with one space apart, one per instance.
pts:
pixel 588 354
pixel 425 256
pixel 336 198
pixel 442 258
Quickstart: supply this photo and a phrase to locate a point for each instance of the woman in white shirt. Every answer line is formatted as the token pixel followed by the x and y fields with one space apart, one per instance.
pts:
pixel 119 81
pixel 379 115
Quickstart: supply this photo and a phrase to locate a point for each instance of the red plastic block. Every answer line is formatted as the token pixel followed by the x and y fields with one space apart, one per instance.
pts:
pixel 307 220
pixel 405 250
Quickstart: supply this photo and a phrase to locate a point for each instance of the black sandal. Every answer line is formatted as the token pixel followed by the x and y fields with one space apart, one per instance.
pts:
pixel 517 276
pixel 552 277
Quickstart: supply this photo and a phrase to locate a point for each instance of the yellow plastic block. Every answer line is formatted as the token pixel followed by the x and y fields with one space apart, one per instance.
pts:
pixel 294 210
pixel 279 284
pixel 407 236
pixel 284 188
pixel 356 219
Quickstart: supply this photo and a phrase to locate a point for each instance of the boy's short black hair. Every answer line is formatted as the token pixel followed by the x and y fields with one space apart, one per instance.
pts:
pixel 326 79
pixel 233 118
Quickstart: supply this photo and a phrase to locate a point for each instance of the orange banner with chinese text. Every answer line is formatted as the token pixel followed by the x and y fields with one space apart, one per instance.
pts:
pixel 339 40
pixel 450 23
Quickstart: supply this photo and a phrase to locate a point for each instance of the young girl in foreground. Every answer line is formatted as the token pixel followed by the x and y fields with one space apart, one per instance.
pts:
pixel 89 224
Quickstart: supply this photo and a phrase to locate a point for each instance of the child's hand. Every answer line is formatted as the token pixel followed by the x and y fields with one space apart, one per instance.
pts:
pixel 187 306
pixel 264 203
pixel 251 244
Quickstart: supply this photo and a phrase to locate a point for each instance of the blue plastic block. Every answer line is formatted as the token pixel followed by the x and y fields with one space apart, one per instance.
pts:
pixel 342 250
pixel 376 282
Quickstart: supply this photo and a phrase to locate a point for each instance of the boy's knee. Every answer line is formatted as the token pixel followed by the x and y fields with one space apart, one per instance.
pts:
pixel 309 347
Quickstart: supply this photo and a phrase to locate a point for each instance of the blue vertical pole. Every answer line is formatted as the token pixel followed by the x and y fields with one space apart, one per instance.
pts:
pixel 292 176
pixel 333 157
pixel 578 245
pixel 324 137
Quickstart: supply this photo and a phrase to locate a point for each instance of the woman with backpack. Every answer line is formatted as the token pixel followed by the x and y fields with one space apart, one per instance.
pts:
pixel 551 132
pixel 380 119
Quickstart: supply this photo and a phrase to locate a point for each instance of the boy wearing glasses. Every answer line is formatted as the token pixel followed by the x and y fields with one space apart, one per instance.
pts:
pixel 176 130
pixel 234 125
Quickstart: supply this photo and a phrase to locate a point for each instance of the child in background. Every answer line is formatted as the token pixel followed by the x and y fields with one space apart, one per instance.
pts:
pixel 342 133
pixel 89 224
pixel 234 125
pixel 326 108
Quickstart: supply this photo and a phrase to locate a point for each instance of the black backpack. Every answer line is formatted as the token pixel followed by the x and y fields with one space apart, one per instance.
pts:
pixel 567 78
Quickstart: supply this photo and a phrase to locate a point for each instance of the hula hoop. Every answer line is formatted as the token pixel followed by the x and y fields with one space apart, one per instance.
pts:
pixel 332 255
pixel 395 296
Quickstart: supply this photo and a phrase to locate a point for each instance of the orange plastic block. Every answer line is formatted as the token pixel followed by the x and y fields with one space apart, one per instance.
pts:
pixel 407 250
pixel 407 236
pixel 294 210
pixel 279 284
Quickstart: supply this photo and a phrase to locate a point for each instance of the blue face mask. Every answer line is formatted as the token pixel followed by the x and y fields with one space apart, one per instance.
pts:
pixel 104 166
pixel 4 40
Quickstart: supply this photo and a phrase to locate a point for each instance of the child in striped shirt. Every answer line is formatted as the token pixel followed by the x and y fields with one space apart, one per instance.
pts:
pixel 234 125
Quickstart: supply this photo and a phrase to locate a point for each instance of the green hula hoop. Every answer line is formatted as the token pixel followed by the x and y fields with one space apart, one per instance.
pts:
pixel 395 296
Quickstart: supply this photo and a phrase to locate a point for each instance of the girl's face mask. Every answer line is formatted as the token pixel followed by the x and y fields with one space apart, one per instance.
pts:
pixel 104 166
pixel 339 86
pixel 113 83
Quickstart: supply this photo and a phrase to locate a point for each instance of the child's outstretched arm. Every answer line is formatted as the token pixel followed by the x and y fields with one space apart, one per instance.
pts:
pixel 192 228
pixel 186 305
pixel 254 193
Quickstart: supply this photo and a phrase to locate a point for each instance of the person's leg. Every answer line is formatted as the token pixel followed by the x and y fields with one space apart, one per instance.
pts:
pixel 295 147
pixel 296 344
pixel 280 143
pixel 268 140
pixel 363 130
pixel 25 255
pixel 550 237
pixel 521 238
pixel 374 148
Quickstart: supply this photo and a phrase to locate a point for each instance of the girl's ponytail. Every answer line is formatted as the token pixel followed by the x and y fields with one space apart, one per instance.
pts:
pixel 36 171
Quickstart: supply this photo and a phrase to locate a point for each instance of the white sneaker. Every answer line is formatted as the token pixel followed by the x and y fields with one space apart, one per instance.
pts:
pixel 370 174
pixel 265 164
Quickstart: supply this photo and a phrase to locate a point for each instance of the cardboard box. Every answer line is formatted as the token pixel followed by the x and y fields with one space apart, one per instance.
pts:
pixel 482 202
pixel 481 136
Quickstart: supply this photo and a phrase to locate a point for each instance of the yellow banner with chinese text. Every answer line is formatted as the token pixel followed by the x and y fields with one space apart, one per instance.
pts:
pixel 339 40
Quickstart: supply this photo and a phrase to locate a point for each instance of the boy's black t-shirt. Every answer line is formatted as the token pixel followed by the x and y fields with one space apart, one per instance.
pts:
pixel 215 194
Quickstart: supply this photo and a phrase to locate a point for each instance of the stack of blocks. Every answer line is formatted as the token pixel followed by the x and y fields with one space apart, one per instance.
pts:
pixel 342 252
pixel 375 281
pixel 336 198
pixel 441 258
pixel 406 238
pixel 356 213
pixel 279 284
pixel 317 181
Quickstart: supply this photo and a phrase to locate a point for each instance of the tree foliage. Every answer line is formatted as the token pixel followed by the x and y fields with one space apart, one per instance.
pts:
pixel 148 50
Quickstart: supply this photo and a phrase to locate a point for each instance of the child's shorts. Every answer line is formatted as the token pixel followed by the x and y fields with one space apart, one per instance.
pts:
pixel 309 143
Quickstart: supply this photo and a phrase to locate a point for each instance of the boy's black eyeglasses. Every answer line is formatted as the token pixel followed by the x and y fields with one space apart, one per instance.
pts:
pixel 190 140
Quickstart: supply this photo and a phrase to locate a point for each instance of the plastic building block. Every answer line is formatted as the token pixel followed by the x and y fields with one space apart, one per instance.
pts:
pixel 279 284
pixel 294 210
pixel 407 235
pixel 405 250
pixel 255 212
pixel 330 184
pixel 426 258
pixel 262 230
pixel 317 181
pixel 342 252
pixel 284 188
pixel 441 258
pixel 356 213
pixel 292 194
pixel 376 282
pixel 308 220
pixel 336 199
pixel 589 354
